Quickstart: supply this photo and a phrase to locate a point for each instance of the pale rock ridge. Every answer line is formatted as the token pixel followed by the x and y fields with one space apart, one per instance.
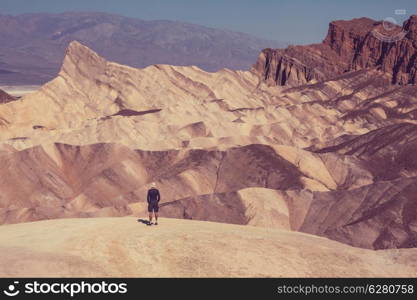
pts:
pixel 119 247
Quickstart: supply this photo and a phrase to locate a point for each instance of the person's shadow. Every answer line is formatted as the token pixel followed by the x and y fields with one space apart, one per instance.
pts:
pixel 146 222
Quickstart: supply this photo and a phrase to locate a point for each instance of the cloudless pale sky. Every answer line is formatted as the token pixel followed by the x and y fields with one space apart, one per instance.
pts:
pixel 294 21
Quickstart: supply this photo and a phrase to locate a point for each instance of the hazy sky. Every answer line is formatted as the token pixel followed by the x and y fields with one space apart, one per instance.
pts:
pixel 295 21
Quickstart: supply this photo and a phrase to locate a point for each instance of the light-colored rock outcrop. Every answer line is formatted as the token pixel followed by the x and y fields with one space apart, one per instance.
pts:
pixel 124 247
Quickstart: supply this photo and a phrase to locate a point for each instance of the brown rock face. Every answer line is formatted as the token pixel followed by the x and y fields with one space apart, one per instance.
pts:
pixel 4 97
pixel 280 68
pixel 349 45
pixel 379 215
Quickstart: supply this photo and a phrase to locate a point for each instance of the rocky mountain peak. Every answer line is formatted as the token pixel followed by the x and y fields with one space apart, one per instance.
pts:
pixel 79 58
pixel 344 36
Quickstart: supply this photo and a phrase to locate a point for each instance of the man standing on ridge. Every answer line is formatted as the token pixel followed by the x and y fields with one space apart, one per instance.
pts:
pixel 153 200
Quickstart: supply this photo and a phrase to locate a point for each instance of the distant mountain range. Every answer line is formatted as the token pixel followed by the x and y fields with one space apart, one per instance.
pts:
pixel 32 46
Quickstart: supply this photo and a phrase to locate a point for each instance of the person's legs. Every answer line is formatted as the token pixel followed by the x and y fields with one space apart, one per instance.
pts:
pixel 153 209
pixel 156 210
pixel 150 208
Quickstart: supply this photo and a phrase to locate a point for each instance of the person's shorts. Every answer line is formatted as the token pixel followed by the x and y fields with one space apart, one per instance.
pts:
pixel 153 206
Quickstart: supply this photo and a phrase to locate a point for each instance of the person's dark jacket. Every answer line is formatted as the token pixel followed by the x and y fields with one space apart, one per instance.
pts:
pixel 153 195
